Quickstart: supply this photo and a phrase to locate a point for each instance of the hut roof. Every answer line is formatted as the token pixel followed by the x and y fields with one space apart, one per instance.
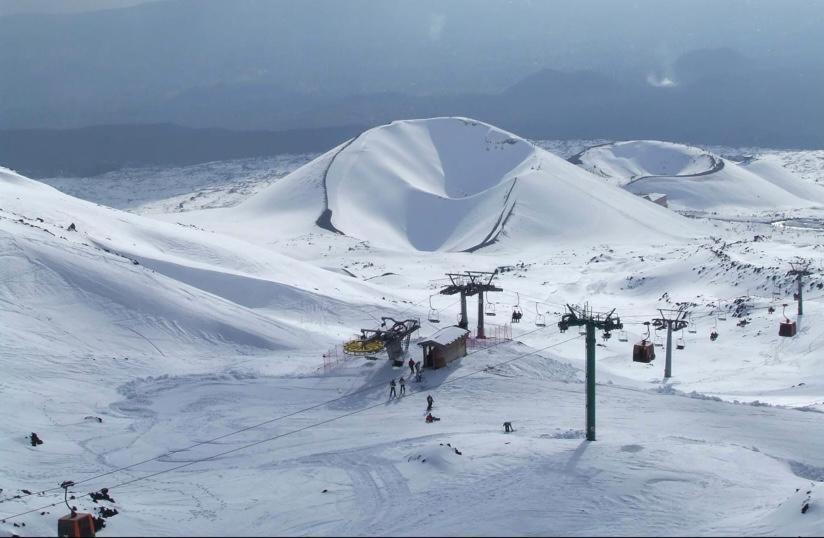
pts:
pixel 445 336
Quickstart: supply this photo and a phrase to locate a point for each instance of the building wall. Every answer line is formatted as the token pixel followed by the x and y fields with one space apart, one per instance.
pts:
pixel 444 355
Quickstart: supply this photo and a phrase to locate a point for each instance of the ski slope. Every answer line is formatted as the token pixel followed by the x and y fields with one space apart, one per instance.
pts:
pixel 203 341
pixel 694 179
pixel 443 184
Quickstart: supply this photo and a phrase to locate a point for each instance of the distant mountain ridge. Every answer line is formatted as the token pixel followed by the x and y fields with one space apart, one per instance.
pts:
pixel 91 151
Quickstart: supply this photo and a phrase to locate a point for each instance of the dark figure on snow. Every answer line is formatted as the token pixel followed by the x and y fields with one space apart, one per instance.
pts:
pixel 418 367
pixel 403 386
pixel 392 393
pixel 430 401
pixel 508 427
pixel 430 418
pixel 411 366
pixel 418 377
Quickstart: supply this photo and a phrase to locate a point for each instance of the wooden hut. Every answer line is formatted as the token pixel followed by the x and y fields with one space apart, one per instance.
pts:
pixel 444 347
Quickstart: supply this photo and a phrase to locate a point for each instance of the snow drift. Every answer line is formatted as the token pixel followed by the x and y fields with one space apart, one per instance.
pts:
pixel 694 179
pixel 445 184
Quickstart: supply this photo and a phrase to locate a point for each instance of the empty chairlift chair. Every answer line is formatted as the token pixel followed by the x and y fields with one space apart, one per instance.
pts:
pixel 722 314
pixel 680 343
pixel 644 351
pixel 657 340
pixel 540 319
pixel 434 316
pixel 787 327
pixel 490 309
pixel 622 336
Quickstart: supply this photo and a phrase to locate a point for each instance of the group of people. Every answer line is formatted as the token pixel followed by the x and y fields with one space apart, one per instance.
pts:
pixel 392 385
pixel 415 369
pixel 398 389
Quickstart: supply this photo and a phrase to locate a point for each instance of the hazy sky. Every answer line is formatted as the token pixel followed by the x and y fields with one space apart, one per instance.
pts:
pixel 13 7
pixel 286 63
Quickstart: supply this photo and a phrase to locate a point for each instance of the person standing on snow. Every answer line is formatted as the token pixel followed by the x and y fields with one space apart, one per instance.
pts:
pixel 392 393
pixel 403 386
pixel 411 366
pixel 430 401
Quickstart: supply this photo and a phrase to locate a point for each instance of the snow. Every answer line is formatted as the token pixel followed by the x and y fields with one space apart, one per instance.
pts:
pixel 698 181
pixel 446 336
pixel 211 359
pixel 444 184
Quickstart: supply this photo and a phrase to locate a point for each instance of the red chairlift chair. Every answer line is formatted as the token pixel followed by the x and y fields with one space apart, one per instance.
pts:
pixel 787 327
pixel 644 351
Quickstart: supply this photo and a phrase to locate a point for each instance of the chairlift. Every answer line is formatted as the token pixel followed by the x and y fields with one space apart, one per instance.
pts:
pixel 433 316
pixel 75 523
pixel 722 314
pixel 680 343
pixel 540 319
pixel 657 340
pixel 622 336
pixel 771 308
pixel 644 351
pixel 714 332
pixel 606 335
pixel 516 310
pixel 691 326
pixel 490 309
pixel 787 328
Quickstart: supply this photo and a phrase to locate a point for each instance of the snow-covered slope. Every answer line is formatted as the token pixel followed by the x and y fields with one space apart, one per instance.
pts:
pixel 146 281
pixel 694 179
pixel 448 184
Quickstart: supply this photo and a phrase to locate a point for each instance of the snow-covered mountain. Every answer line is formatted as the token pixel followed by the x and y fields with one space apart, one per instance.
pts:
pixel 192 362
pixel 445 184
pixel 694 179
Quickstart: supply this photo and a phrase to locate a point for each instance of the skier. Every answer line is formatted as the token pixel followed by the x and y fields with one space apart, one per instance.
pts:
pixel 411 366
pixel 430 401
pixel 418 367
pixel 430 418
pixel 392 393
pixel 418 376
pixel 403 386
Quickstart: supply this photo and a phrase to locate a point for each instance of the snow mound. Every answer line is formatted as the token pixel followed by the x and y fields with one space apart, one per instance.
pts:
pixel 693 179
pixel 443 184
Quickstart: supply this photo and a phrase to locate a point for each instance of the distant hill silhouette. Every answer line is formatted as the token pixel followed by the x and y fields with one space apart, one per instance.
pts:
pixel 94 150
